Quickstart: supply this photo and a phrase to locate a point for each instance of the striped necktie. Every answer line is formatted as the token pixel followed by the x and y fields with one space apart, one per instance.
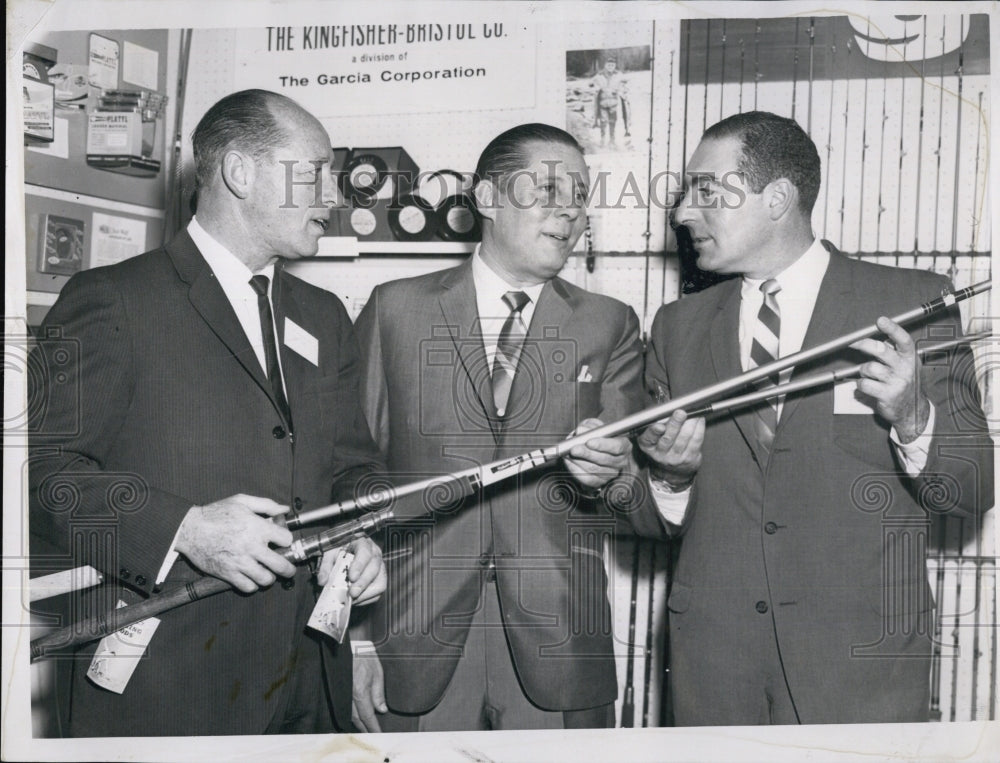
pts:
pixel 508 349
pixel 765 349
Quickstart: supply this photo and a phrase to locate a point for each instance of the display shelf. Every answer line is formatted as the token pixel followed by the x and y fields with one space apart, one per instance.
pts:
pixel 349 246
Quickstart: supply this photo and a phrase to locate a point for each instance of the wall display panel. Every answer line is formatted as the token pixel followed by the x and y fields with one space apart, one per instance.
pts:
pixel 110 232
pixel 78 89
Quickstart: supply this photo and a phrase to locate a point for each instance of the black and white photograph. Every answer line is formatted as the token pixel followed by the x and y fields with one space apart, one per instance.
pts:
pixel 509 381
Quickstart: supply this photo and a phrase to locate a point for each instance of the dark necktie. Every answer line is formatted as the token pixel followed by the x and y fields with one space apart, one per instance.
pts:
pixel 508 349
pixel 273 370
pixel 765 350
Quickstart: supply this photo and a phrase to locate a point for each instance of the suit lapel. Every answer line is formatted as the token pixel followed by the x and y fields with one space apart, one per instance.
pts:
pixel 458 303
pixel 552 313
pixel 208 298
pixel 829 318
pixel 725 350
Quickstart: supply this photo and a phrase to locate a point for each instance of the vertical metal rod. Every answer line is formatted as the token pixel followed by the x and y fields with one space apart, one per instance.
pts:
pixel 881 159
pixel 829 149
pixel 756 61
pixel 938 631
pixel 722 72
pixel 628 700
pixel 864 143
pixel 795 66
pixel 937 180
pixel 742 61
pixel 958 140
pixel 708 53
pixel 957 625
pixel 649 179
pixel 902 148
pixel 670 133
pixel 175 200
pixel 648 672
pixel 920 139
pixel 974 243
pixel 843 179
pixel 812 69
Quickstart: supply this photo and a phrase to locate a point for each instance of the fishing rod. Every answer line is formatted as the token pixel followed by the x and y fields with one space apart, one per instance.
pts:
pixel 104 623
pixel 439 491
pixel 818 380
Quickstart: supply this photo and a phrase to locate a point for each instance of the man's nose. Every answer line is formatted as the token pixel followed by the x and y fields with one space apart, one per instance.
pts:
pixel 569 205
pixel 682 213
pixel 330 193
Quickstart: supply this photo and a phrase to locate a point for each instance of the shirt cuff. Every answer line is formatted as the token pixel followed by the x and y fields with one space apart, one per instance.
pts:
pixel 914 454
pixel 168 560
pixel 362 647
pixel 672 506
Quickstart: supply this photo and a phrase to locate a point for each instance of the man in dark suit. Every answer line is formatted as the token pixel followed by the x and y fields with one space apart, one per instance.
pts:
pixel 800 593
pixel 497 615
pixel 180 431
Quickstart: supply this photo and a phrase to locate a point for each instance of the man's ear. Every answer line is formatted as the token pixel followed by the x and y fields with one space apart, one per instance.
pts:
pixel 238 173
pixel 486 196
pixel 780 197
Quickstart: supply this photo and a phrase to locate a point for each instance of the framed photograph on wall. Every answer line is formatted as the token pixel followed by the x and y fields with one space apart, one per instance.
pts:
pixel 61 245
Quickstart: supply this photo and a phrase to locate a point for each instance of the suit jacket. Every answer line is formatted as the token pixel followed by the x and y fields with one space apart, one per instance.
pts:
pixel 429 401
pixel 822 544
pixel 151 401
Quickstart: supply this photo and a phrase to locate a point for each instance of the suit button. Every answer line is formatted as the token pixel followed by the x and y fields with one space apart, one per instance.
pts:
pixel 288 584
pixel 140 580
pixel 761 607
pixel 297 504
pixel 484 559
pixel 278 432
pixel 124 574
pixel 770 528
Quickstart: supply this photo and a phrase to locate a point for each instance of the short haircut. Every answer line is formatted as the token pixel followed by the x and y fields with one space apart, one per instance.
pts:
pixel 244 121
pixel 773 147
pixel 507 152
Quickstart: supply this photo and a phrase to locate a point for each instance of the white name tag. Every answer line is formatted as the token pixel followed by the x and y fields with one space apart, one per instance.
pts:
pixel 845 400
pixel 333 608
pixel 118 655
pixel 301 341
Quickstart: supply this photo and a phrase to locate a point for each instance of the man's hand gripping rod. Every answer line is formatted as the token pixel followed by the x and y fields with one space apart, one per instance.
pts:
pixel 102 624
pixel 469 481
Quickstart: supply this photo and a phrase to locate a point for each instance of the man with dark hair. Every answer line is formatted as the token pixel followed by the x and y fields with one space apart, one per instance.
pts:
pixel 497 615
pixel 210 392
pixel 800 593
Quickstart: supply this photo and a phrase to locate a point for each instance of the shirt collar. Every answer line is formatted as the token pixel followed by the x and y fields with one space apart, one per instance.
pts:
pixel 227 267
pixel 802 277
pixel 493 287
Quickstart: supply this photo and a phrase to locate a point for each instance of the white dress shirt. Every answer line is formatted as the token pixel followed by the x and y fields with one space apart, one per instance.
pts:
pixel 800 283
pixel 491 308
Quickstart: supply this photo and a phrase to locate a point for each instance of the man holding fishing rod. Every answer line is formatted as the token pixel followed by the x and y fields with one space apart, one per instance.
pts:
pixel 191 396
pixel 800 593
pixel 497 614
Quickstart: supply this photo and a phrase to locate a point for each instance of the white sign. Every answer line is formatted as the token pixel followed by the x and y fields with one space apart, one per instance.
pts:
pixel 392 68
pixel 141 67
pixel 115 239
pixel 103 63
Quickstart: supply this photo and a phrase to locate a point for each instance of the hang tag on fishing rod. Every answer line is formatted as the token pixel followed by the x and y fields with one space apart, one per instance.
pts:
pixel 333 608
pixel 118 654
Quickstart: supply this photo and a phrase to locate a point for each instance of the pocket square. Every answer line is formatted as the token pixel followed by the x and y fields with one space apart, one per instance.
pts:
pixel 584 375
